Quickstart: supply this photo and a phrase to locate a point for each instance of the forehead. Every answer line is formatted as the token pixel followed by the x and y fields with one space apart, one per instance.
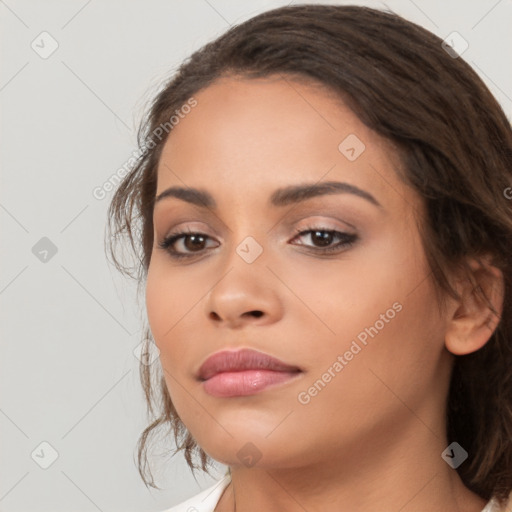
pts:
pixel 248 135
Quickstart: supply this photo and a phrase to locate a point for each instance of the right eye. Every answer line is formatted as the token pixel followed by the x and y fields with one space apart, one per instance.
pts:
pixel 191 241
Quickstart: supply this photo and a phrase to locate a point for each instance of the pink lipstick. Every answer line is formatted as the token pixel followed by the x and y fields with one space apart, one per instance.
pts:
pixel 244 372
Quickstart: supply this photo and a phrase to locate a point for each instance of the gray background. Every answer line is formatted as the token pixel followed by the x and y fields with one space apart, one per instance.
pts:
pixel 70 324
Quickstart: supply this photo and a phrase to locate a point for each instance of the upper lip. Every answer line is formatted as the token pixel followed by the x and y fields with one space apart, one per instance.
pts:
pixel 239 360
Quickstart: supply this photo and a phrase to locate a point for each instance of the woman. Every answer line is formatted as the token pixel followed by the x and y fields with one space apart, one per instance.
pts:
pixel 324 201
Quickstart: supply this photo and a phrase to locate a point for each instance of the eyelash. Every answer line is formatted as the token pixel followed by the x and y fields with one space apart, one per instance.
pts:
pixel 348 239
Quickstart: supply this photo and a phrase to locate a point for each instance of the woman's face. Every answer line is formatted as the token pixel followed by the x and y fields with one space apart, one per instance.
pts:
pixel 360 322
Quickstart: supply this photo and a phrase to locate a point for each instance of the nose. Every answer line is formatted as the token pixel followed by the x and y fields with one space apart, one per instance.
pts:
pixel 246 294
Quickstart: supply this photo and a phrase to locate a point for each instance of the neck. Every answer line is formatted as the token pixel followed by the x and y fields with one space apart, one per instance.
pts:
pixel 408 474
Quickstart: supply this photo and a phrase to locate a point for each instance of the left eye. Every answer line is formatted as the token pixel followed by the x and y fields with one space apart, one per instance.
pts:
pixel 324 237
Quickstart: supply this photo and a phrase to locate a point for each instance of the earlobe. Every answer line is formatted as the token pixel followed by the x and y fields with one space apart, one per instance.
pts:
pixel 475 317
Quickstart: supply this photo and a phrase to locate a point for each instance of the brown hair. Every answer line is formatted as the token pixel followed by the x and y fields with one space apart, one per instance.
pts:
pixel 455 146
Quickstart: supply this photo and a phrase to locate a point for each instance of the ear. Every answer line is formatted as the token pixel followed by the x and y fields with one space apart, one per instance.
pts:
pixel 472 320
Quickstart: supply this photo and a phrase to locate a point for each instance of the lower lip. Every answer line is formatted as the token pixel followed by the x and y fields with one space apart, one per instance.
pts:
pixel 247 382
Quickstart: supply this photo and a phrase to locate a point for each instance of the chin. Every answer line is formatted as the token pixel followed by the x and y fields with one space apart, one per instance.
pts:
pixel 253 452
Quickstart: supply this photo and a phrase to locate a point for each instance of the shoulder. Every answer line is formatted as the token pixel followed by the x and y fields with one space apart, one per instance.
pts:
pixel 493 505
pixel 205 501
pixel 508 505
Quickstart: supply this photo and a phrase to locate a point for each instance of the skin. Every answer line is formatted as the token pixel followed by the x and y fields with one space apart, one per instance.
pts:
pixel 372 438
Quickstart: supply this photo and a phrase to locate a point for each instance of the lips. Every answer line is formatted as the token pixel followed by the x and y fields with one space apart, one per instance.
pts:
pixel 245 359
pixel 244 372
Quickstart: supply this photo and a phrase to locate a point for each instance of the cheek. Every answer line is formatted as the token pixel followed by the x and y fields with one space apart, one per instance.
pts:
pixel 380 311
pixel 173 304
pixel 158 306
pixel 170 296
pixel 167 303
pixel 364 289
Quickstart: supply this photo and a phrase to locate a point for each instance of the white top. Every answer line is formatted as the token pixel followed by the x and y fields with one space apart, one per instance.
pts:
pixel 207 500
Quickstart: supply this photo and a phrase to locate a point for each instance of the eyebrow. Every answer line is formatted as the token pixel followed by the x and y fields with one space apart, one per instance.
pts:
pixel 280 197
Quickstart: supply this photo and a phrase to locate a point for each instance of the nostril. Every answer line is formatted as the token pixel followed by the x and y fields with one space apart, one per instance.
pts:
pixel 256 313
